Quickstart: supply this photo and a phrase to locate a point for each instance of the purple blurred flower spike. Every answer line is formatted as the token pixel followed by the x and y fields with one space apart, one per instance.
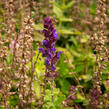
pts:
pixel 49 50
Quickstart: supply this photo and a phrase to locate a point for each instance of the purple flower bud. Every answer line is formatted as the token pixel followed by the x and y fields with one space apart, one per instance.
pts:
pixel 49 54
pixel 45 42
pixel 46 34
pixel 72 89
pixel 58 54
pixel 42 50
pixel 53 48
pixel 95 97
pixel 47 61
pixel 53 68
pixel 55 34
pixel 73 97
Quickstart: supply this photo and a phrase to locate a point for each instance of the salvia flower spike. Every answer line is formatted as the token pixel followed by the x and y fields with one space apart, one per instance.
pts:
pixel 49 50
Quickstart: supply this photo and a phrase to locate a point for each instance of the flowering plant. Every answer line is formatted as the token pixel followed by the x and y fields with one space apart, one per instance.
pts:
pixel 49 50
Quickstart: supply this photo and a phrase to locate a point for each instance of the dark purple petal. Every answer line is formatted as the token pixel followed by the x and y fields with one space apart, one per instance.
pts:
pixel 53 49
pixel 47 61
pixel 45 42
pixel 42 50
pixel 50 54
pixel 53 68
pixel 58 54
pixel 55 34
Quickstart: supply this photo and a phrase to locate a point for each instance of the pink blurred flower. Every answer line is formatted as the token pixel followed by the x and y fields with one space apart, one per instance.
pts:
pixel 12 46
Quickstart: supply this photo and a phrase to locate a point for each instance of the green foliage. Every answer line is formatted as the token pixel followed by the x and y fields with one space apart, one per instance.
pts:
pixel 77 62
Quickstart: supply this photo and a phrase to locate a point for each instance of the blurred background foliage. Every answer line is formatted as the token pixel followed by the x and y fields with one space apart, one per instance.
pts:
pixel 74 22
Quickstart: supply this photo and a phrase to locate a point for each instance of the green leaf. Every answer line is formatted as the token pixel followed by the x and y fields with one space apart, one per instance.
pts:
pixel 69 32
pixel 64 85
pixel 13 101
pixel 9 59
pixel 93 8
pixel 64 31
pixel 38 26
pixel 57 11
pixel 80 97
pixel 66 19
pixel 36 86
pixel 73 39
pixel 1 107
pixel 86 77
pixel 69 5
pixel 85 38
pixel 60 99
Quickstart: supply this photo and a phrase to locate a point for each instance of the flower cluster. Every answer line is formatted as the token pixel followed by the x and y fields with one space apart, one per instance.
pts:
pixel 95 97
pixel 68 102
pixel 49 50
pixel 72 92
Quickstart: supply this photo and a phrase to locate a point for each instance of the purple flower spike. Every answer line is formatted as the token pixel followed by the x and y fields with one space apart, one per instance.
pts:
pixel 49 50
